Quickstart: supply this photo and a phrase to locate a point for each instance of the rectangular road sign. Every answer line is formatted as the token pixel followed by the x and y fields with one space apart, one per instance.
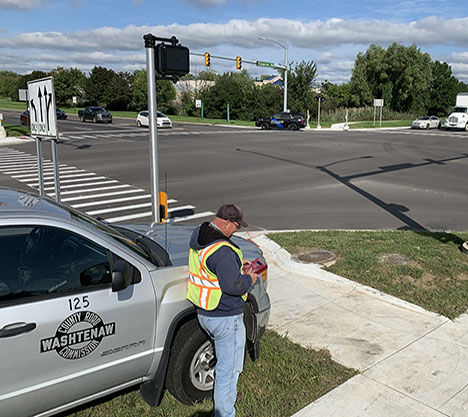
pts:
pixel 42 113
pixel 265 64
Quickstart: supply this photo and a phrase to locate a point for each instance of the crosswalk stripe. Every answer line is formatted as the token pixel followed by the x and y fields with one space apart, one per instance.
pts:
pixel 34 167
pixel 82 185
pixel 114 200
pixel 192 216
pixel 91 196
pixel 72 171
pixel 129 217
pixel 119 208
pixel 87 190
pixel 68 181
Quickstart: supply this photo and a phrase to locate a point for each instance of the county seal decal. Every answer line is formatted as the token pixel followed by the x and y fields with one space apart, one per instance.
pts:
pixel 78 335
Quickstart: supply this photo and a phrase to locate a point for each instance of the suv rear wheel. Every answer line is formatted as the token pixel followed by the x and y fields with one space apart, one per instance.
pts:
pixel 190 374
pixel 292 126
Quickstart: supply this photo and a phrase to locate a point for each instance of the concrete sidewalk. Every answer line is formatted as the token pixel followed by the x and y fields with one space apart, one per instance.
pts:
pixel 412 362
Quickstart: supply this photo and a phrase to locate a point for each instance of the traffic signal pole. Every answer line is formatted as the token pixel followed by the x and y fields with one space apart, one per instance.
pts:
pixel 150 42
pixel 244 61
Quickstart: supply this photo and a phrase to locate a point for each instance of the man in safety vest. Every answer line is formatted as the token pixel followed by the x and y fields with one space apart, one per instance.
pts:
pixel 217 287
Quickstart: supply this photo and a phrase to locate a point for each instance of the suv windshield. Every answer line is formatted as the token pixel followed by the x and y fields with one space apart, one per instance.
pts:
pixel 460 110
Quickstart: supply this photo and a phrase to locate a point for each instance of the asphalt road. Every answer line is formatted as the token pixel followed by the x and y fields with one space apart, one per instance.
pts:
pixel 283 180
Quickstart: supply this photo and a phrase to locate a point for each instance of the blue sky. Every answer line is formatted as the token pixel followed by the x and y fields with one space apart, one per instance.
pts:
pixel 44 34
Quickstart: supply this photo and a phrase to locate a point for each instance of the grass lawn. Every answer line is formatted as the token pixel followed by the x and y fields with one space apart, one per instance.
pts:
pixel 16 130
pixel 285 379
pixel 434 274
pixel 385 123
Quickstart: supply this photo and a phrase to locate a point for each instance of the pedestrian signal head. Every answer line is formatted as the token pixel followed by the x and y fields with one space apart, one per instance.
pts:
pixel 238 62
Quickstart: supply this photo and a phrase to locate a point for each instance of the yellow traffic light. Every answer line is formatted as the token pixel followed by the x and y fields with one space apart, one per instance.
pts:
pixel 207 59
pixel 238 62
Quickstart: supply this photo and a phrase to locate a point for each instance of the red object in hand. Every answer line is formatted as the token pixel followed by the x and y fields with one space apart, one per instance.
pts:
pixel 257 266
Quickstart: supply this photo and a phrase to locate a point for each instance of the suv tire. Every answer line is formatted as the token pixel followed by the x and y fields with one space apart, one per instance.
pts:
pixel 190 374
pixel 293 126
pixel 265 126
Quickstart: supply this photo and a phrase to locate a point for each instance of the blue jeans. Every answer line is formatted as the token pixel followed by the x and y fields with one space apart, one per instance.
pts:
pixel 228 334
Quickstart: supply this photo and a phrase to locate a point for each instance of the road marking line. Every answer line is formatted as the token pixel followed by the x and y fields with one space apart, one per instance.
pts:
pixel 120 208
pixel 91 189
pixel 193 216
pixel 187 207
pixel 81 185
pixel 115 200
pixel 69 181
pixel 34 167
pixel 71 171
pixel 86 174
pixel 87 197
pixel 129 217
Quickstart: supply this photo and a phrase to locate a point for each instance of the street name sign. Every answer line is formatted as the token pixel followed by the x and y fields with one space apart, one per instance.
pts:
pixel 42 113
pixel 265 64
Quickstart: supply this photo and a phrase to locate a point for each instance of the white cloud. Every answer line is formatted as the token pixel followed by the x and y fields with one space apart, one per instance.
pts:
pixel 242 33
pixel 206 4
pixel 20 4
pixel 123 48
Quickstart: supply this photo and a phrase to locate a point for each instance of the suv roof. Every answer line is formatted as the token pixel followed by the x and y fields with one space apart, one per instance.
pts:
pixel 18 203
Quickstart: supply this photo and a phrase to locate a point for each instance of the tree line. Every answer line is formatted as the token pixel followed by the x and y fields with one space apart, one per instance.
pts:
pixel 404 76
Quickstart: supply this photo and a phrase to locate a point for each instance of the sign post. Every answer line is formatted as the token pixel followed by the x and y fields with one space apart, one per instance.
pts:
pixel 378 102
pixel 43 121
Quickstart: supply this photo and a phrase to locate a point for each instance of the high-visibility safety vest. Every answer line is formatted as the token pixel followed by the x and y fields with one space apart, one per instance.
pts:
pixel 203 286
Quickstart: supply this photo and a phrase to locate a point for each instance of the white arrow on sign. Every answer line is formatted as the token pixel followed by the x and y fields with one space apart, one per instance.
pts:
pixel 42 113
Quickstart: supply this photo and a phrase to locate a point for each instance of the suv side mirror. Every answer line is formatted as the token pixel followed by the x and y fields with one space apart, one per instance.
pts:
pixel 122 275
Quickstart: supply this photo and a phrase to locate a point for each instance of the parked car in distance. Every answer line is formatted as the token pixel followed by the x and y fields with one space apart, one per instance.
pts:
pixel 89 308
pixel 96 114
pixel 427 122
pixel 162 120
pixel 61 115
pixel 24 118
pixel 283 120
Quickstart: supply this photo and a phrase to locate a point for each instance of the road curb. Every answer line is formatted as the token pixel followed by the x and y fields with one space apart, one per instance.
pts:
pixel 284 262
pixel 14 140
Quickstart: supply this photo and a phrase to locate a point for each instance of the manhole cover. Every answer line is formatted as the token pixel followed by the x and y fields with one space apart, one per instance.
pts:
pixel 394 259
pixel 316 256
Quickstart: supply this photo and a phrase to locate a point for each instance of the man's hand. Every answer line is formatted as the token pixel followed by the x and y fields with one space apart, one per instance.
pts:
pixel 254 276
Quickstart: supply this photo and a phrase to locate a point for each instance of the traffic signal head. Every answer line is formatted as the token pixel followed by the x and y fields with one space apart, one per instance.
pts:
pixel 238 62
pixel 172 59
pixel 207 59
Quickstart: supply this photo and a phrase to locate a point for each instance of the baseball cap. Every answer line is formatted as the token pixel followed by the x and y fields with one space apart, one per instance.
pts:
pixel 231 212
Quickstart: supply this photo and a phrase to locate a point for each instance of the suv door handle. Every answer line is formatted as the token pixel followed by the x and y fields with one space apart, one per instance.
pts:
pixel 8 330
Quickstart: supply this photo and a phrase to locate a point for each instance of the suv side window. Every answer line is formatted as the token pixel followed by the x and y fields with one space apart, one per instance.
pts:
pixel 42 260
pixel 285 115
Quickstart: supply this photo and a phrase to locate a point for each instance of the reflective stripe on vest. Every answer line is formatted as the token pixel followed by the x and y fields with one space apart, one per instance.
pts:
pixel 203 286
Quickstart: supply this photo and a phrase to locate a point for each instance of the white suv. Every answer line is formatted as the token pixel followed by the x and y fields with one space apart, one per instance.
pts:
pixel 162 120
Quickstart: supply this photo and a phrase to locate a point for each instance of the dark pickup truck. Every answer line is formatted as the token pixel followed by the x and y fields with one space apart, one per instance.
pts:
pixel 284 120
pixel 96 114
